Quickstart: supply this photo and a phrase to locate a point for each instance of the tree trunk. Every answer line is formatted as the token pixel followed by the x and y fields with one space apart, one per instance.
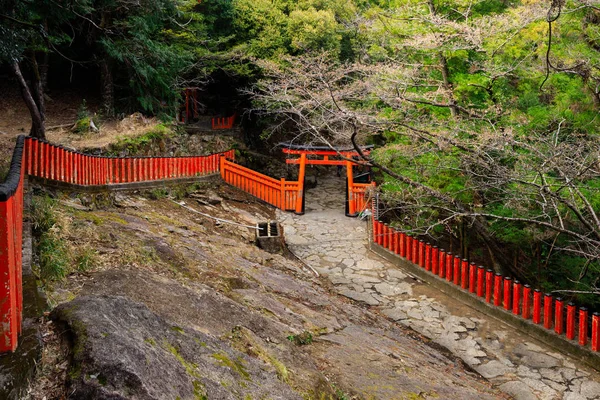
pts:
pixel 37 122
pixel 108 95
pixel 37 89
pixel 447 84
pixel 44 71
pixel 43 68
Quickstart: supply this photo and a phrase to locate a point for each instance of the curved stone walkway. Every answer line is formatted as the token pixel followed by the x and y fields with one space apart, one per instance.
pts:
pixel 337 247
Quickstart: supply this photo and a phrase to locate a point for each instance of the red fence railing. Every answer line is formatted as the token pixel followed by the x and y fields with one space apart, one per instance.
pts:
pixel 223 122
pixel 11 245
pixel 285 195
pixel 45 160
pixel 520 300
pixel 48 161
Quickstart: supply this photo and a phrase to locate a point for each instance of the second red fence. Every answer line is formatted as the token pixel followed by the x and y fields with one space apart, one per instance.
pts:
pixel 49 161
pixel 514 297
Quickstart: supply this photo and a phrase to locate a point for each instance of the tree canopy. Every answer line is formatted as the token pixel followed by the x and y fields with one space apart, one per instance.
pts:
pixel 485 112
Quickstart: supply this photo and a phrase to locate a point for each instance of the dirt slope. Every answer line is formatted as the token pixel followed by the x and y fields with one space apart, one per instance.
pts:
pixel 260 313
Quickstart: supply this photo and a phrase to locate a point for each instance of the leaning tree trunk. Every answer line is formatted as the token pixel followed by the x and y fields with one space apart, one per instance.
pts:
pixel 108 95
pixel 38 129
pixel 37 88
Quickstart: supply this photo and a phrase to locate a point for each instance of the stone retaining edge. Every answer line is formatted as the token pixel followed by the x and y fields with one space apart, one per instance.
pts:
pixel 117 187
pixel 538 332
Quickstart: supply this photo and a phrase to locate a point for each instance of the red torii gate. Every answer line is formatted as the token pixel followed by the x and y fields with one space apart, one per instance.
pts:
pixel 330 155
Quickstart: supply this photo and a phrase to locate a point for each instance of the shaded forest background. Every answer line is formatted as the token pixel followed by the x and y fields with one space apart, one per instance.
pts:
pixel 485 113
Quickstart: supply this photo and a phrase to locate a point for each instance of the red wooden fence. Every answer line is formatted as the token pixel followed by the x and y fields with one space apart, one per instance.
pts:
pixel 11 229
pixel 285 195
pixel 223 123
pixel 493 288
pixel 44 160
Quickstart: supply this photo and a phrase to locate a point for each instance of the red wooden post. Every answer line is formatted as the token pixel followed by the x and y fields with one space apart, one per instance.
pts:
pixel 449 266
pixel 489 280
pixel 558 316
pixel 421 254
pixel 547 311
pixel 385 236
pixel 595 331
pixel 415 247
pixel 428 257
pixel 52 161
pixel 571 320
pixel 456 272
pixel 402 244
pixel 68 166
pixel 480 280
pixel 61 165
pixel 8 288
pixel 435 255
pixel 442 264
pixel 472 277
pixel 583 326
pixel 409 241
pixel 123 175
pixel 537 306
pixel 506 294
pixel 526 312
pixel 516 297
pixel 28 148
pixel 464 274
pixel 498 289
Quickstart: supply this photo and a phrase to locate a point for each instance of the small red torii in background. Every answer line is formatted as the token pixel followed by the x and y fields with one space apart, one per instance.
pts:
pixel 191 111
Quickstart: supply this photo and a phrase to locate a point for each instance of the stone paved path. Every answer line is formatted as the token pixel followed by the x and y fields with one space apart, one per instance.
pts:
pixel 337 247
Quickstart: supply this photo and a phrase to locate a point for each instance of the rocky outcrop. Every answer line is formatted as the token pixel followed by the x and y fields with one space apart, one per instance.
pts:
pixel 122 350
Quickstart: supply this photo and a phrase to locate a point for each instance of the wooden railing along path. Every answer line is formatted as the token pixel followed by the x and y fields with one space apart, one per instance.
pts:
pixel 285 195
pixel 542 314
pixel 44 160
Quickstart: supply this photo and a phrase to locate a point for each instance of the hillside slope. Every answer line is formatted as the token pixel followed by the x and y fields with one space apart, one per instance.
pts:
pixel 176 305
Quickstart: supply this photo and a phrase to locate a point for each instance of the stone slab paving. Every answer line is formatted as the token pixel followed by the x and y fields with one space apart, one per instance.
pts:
pixel 337 247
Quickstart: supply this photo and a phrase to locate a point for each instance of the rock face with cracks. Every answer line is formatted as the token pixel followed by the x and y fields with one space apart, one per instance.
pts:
pixel 122 350
pixel 215 316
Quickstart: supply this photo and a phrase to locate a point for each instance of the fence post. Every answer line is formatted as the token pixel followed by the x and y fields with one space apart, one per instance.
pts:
pixel 489 279
pixel 464 274
pixel 547 310
pixel 558 316
pixel 472 278
pixel 537 306
pixel 8 289
pixel 583 326
pixel 480 280
pixel 526 301
pixel 498 289
pixel 595 331
pixel 435 260
pixel 506 294
pixel 571 321
pixel 516 297
pixel 385 236
pixel 456 272
pixel 442 264
pixel 449 266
